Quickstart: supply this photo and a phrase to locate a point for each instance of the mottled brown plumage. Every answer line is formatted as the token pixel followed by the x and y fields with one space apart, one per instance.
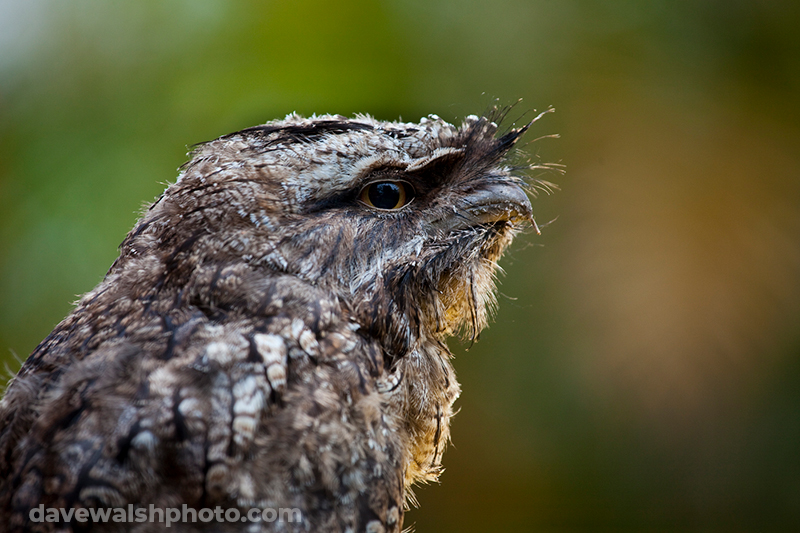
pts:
pixel 267 338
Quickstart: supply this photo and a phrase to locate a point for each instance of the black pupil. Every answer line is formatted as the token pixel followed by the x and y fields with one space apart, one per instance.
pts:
pixel 384 195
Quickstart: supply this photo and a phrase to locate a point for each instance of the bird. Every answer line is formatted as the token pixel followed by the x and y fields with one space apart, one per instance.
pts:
pixel 273 334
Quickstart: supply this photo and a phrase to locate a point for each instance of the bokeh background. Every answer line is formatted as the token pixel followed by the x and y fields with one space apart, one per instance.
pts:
pixel 643 373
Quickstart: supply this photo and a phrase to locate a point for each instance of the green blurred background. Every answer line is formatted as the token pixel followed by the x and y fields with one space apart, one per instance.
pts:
pixel 643 373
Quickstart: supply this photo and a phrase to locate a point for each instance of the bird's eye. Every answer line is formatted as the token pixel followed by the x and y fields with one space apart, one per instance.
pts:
pixel 387 194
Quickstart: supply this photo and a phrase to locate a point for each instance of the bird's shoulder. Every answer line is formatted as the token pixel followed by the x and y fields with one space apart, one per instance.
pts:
pixel 184 398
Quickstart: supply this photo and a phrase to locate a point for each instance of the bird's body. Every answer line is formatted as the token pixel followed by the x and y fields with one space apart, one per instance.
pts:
pixel 272 334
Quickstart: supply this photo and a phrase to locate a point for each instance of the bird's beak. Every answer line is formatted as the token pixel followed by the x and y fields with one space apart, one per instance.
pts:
pixel 495 202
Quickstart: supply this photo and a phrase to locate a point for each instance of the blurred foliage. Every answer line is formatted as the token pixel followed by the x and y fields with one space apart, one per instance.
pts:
pixel 644 369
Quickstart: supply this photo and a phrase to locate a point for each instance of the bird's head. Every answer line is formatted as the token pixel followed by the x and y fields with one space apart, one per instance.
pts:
pixel 402 222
